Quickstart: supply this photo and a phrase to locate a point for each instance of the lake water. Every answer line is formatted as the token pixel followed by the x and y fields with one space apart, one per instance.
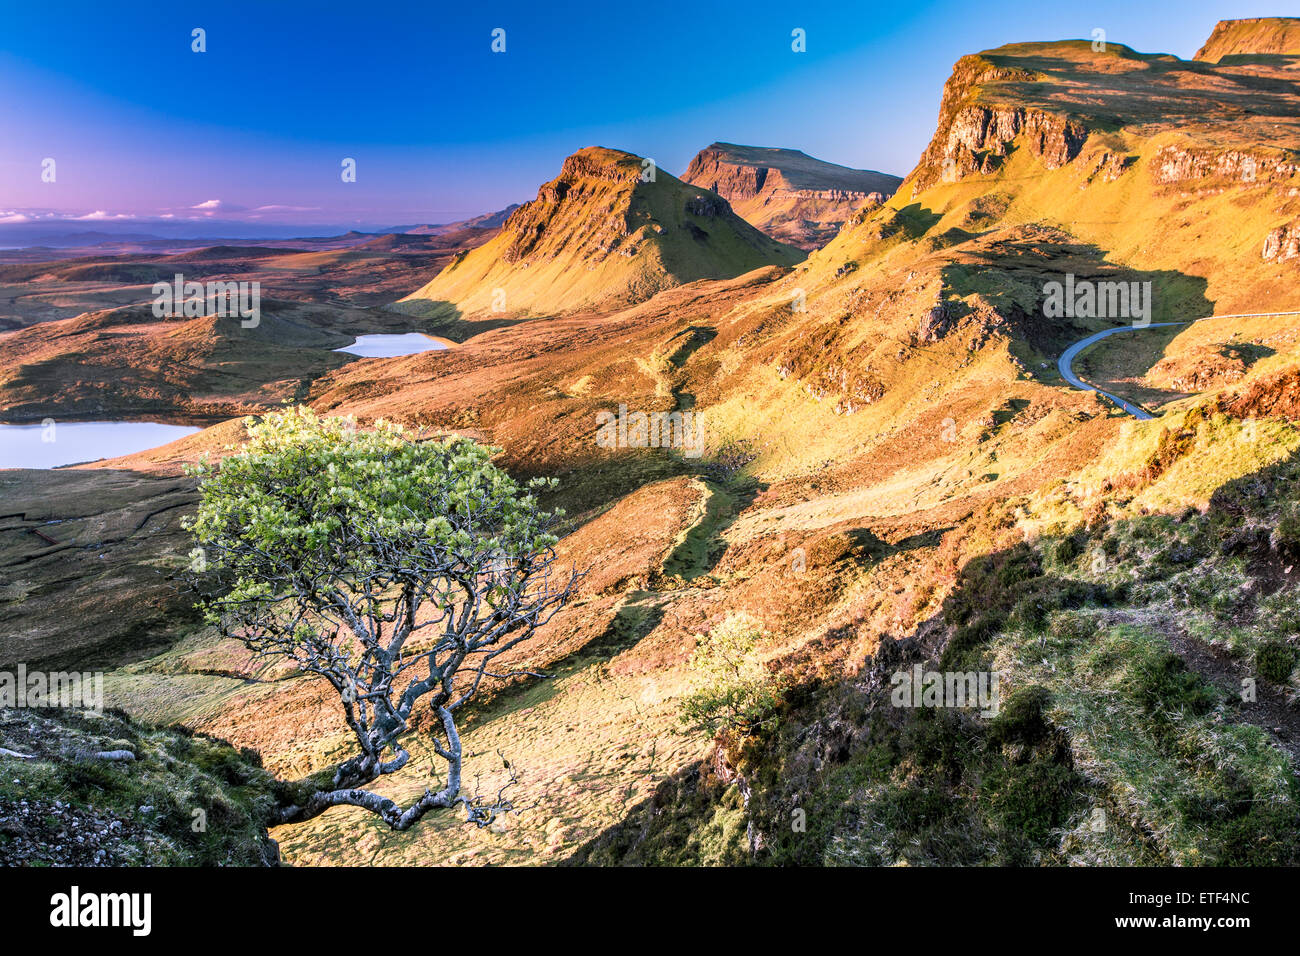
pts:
pixel 68 443
pixel 388 346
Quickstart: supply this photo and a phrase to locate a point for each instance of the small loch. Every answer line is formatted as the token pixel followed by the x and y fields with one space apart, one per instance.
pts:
pixel 70 443
pixel 391 344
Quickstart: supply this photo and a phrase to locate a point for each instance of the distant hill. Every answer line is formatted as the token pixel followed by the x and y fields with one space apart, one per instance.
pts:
pixel 399 242
pixel 210 253
pixel 489 220
pixel 599 236
pixel 786 193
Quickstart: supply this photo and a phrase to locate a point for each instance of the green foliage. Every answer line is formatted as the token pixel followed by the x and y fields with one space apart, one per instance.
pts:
pixel 1023 718
pixel 1274 661
pixel 692 819
pixel 929 787
pixel 316 497
pixel 333 548
pixel 1064 551
pixel 733 690
pixel 1033 799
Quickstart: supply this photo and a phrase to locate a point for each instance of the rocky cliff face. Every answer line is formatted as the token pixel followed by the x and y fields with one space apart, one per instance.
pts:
pixel 1159 161
pixel 563 204
pixel 1175 164
pixel 711 169
pixel 789 195
pixel 1188 130
pixel 973 138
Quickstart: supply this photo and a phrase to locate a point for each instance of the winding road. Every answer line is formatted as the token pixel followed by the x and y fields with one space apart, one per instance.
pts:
pixel 1065 362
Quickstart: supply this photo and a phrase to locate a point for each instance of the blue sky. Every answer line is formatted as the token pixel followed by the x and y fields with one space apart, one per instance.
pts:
pixel 442 128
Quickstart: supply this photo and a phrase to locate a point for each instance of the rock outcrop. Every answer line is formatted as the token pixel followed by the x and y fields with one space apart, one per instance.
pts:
pixel 1181 163
pixel 1282 244
pixel 1058 102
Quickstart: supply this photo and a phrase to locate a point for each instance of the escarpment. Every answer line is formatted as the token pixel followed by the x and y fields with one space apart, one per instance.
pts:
pixel 788 194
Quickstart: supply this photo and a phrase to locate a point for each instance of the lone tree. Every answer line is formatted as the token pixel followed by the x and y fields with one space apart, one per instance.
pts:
pixel 398 570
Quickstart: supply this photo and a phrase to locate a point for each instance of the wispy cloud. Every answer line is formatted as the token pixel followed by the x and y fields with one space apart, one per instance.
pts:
pixel 211 207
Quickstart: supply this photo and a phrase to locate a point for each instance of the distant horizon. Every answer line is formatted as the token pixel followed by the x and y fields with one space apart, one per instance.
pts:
pixel 121 230
pixel 252 133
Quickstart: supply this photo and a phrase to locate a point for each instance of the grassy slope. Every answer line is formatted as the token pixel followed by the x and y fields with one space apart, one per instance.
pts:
pixel 1252 37
pixel 1123 737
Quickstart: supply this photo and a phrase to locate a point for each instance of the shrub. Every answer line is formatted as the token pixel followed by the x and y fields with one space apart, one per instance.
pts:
pixel 1286 536
pixel 1274 661
pixel 1032 799
pixel 1163 683
pixel 1023 718
pixel 733 691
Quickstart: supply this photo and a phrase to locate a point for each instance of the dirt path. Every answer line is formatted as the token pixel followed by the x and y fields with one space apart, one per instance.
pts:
pixel 1269 710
